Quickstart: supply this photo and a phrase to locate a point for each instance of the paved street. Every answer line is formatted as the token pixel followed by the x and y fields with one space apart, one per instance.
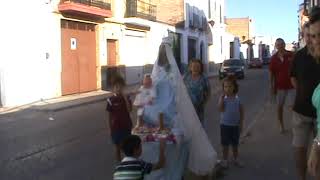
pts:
pixel 74 143
pixel 266 154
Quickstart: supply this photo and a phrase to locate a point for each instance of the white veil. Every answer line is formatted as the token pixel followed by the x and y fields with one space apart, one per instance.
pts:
pixel 202 156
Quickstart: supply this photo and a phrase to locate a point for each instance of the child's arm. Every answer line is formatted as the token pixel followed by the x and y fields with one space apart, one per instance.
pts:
pixel 109 110
pixel 221 103
pixel 241 117
pixel 162 159
pixel 137 101
pixel 110 122
pixel 128 103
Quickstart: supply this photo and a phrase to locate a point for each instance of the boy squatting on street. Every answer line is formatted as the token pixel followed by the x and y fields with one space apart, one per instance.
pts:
pixel 131 167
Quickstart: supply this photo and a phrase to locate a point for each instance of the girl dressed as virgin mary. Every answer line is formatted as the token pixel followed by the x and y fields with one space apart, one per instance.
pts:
pixel 193 150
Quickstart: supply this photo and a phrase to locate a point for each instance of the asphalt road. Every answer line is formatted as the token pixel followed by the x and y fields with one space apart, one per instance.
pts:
pixel 75 144
pixel 266 154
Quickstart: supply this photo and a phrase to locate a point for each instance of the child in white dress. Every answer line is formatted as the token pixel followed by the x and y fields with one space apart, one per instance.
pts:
pixel 145 97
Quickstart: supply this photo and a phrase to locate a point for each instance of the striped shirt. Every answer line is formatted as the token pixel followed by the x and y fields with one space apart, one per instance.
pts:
pixel 132 169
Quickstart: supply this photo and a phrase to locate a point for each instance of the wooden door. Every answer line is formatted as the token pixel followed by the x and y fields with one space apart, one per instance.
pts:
pixel 112 52
pixel 78 44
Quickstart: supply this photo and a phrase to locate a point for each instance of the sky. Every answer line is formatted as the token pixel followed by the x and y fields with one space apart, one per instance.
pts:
pixel 277 18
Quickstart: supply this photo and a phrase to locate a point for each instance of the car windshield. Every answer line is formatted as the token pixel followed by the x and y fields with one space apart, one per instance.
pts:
pixel 234 62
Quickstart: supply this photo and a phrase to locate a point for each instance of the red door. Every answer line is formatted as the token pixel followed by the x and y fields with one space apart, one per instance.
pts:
pixel 112 52
pixel 78 43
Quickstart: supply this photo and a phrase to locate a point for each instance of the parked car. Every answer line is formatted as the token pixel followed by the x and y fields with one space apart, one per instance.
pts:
pixel 232 67
pixel 255 62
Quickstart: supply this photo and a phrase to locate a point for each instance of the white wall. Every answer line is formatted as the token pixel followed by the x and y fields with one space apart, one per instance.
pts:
pixel 219 50
pixel 268 40
pixel 139 48
pixel 200 8
pixel 255 50
pixel 243 49
pixel 215 10
pixel 136 48
pixel 30 68
pixel 236 47
pixel 27 75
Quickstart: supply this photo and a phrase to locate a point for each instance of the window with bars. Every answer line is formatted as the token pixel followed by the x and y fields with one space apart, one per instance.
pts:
pixel 141 8
pixel 77 25
pixel 103 4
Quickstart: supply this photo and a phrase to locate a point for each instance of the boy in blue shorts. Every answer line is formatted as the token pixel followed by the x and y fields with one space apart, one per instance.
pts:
pixel 120 123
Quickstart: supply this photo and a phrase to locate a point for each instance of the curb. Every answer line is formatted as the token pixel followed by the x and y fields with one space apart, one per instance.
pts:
pixel 49 106
pixel 69 104
pixel 60 106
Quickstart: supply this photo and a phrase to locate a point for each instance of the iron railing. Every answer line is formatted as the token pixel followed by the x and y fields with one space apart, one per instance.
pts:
pixel 142 9
pixel 103 4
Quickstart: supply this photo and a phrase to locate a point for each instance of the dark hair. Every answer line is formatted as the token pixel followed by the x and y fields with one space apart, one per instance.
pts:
pixel 233 80
pixel 314 15
pixel 147 76
pixel 129 144
pixel 197 61
pixel 118 80
pixel 162 56
pixel 280 39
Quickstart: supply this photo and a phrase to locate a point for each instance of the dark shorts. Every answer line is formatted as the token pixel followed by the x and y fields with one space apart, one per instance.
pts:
pixel 118 136
pixel 229 135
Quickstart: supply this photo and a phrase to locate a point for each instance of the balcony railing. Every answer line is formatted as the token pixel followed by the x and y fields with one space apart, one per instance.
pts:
pixel 142 9
pixel 103 4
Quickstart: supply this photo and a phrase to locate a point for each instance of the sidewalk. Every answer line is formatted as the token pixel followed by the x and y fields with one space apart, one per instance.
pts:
pixel 71 101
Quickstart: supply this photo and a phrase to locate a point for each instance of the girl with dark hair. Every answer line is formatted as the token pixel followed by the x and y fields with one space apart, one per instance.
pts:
pixel 198 87
pixel 232 115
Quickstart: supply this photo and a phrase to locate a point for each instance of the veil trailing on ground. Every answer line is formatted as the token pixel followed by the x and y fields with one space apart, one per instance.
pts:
pixel 202 157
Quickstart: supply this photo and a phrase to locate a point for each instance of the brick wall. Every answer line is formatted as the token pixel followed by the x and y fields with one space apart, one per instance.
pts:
pixel 239 27
pixel 170 11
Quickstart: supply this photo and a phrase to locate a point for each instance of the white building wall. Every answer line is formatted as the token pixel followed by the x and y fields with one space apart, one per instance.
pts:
pixel 200 8
pixel 268 40
pixel 219 50
pixel 145 44
pixel 136 47
pixel 29 68
pixel 236 47
pixel 243 49
pixel 255 51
